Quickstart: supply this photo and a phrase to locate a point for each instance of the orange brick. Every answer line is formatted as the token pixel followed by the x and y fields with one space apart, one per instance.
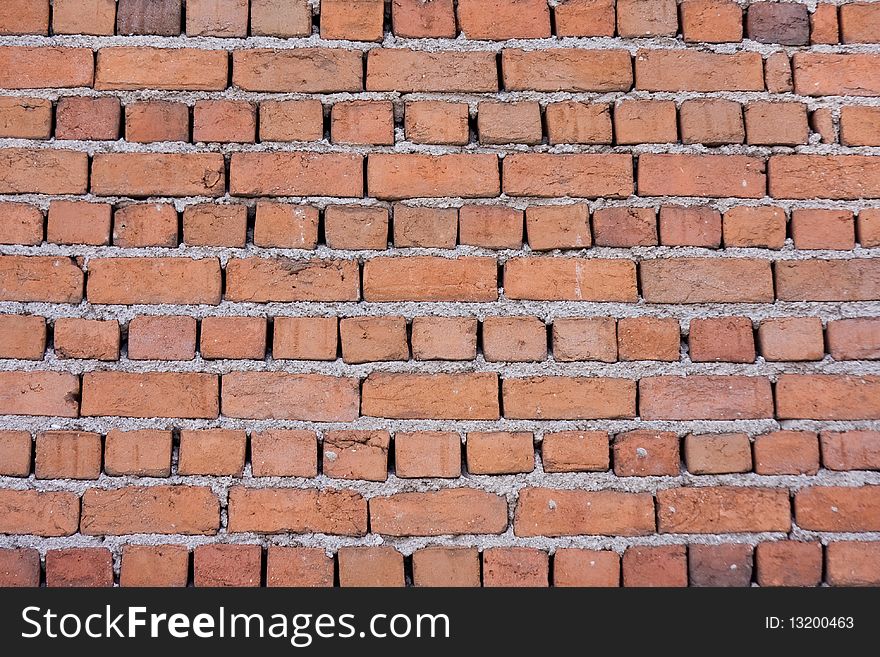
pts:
pixel 711 21
pixel 470 396
pixel 500 452
pixel 442 566
pixel 22 224
pixel 154 280
pixel 356 455
pixel 509 123
pixel 727 564
pixel 40 278
pixel 303 70
pixel 96 17
pixel 690 226
pixel 171 69
pixel 787 453
pixel 585 18
pixel 583 175
pixel 590 338
pixel 777 73
pixel 760 227
pixel 189 510
pixel 646 454
pixel 568 398
pixel 292 510
pixel 38 513
pixel 490 226
pixel 22 336
pixel 150 394
pixel 827 397
pixel 449 511
pixel 25 67
pixel 280 395
pixel 217 452
pixel 296 174
pixel 79 567
pixel 434 121
pixel 425 227
pixel 648 338
pixel 38 393
pixel 286 226
pixel 407 71
pixel 837 508
pixel 579 567
pixel 850 563
pixel 860 126
pixel 142 453
pixel 573 279
pixel 517 339
pixel 427 454
pixel 444 338
pixel 515 566
pixel 78 222
pixel 869 228
pixel 719 453
pixel 305 338
pixel 706 280
pixel 504 19
pixel 430 278
pixel 160 17
pixel 281 18
pixel 259 280
pixel 643 18
pixel 729 339
pixel 843 176
pixel 824 26
pixel 356 227
pixel 645 121
pixel 171 337
pixel 154 565
pixel 822 123
pixel 664 566
pixel 558 227
pixel 395 176
pixel 87 118
pixel 156 120
pixel 418 20
pixel 769 124
pixel 227 565
pixel 854 339
pixel 691 70
pixel 215 225
pixel 850 450
pixel 24 17
pixel 145 224
pixel 827 280
pixel 372 339
pixel 370 566
pixel 220 18
pixel 858 23
pixel 823 229
pixel 298 566
pixel 362 122
pixel 158 174
pixel 224 121
pixel 356 20
pixel 15 454
pixel 566 69
pixel 723 510
pixel 625 227
pixel 713 122
pixel 25 118
pixel 789 563
pixel 233 337
pixel 709 397
pixel 553 512
pixel 575 451
pixel 68 455
pixel 19 567
pixel 87 338
pixel 284 453
pixel 578 123
pixel 291 120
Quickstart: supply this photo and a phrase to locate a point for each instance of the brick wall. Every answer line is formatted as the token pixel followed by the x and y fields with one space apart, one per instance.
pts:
pixel 499 292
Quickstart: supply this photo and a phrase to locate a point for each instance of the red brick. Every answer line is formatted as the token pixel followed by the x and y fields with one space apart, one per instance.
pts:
pixel 663 565
pixel 395 176
pixel 418 20
pixel 24 171
pixel 224 121
pixel 515 566
pixel 259 280
pixel 705 397
pixel 706 280
pixel 142 453
pixel 823 229
pixel 39 513
pixel 869 228
pixel 827 74
pixel 551 512
pixel 729 339
pixel 22 336
pixel 79 567
pixel 712 121
pixel 566 69
pixel 690 70
pixel 284 453
pixel 154 565
pixel 769 124
pixel 859 23
pixel 362 122
pixel 19 567
pixel 498 452
pixel 854 339
pixel 356 227
pixel 218 452
pixel 849 563
pixel 722 510
pixel 86 338
pixel 171 69
pixel 96 17
pixel 578 123
pixel 286 226
pixel 434 121
pixel 504 19
pixel 509 123
pixel 39 393
pixel 280 395
pixel 838 508
pixel 33 67
pixel 785 23
pixel 787 453
pixel 145 224
pixel 158 174
pixel 851 450
pixel 297 511
pixel 490 227
pixel 590 338
pixel 380 566
pixel 625 227
pixel 514 339
pixel 305 338
pixel 356 455
pixel 150 394
pixel 298 566
pixel 160 17
pixel 570 279
pixel 828 280
pixel 576 175
pixel 87 118
pixel 568 398
pixel 791 338
pixel 170 337
pixel 645 121
pixel 575 451
pixel 646 454
pixel 78 222
pixel 778 75
pixel 759 227
pixel 449 511
pixel 281 18
pixel 824 26
pixel 220 18
pixel 154 281
pixel 789 563
pixel 425 227
pixel 373 339
pixel 691 226
pixel 233 337
pixel 711 21
pixel 296 174
pixel 25 118
pixel 648 338
pixel 300 70
pixel 860 126
pixel 585 18
pixel 407 71
pixel 227 565
pixel 190 510
pixel 718 453
pixel 441 566
pixel 644 18
pixel 471 396
pixel 579 567
pixel 727 564
pixel 358 20
pixel 421 454
pixel 291 120
pixel 739 176
pixel 444 338
pixel 827 397
pixel 558 227
pixel 24 17
pixel 22 224
pixel 156 120
pixel 15 453
pixel 430 278
pixel 67 455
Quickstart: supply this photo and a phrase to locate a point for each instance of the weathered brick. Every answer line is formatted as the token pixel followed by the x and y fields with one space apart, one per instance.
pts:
pixel 15 453
pixel 838 508
pixel 575 451
pixel 20 567
pixel 282 279
pixel 828 280
pixel 426 454
pixel 568 398
pixel 417 19
pixel 570 279
pixel 450 511
pixel 789 563
pixel 150 394
pixel 291 510
pixel 279 395
pixel 39 393
pixel 727 564
pixel 189 510
pixel 169 337
pixel 580 567
pixel 27 67
pixel 227 565
pixel 504 19
pixel 431 396
pixel 430 278
pixel 24 171
pixel 379 566
pixel 689 70
pixel 284 453
pixel 850 563
pixel 158 174
pixel 646 454
pixel 38 513
pixel 515 566
pixel 830 74
pixel 407 71
pixel 79 567
pixel 655 566
pixel 298 566
pixel 787 453
pixel 705 397
pixel 25 118
pixel 827 397
pixel 706 280
pixel 397 176
pixel 722 510
pixel 296 174
pixel 154 281
pixel 96 17
pixel 441 566
pixel 551 512
pixel 739 176
pixel 498 452
pixel 154 565
pixel 142 453
pixel 172 69
pixel 356 455
pixel 22 336
pixel 851 450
